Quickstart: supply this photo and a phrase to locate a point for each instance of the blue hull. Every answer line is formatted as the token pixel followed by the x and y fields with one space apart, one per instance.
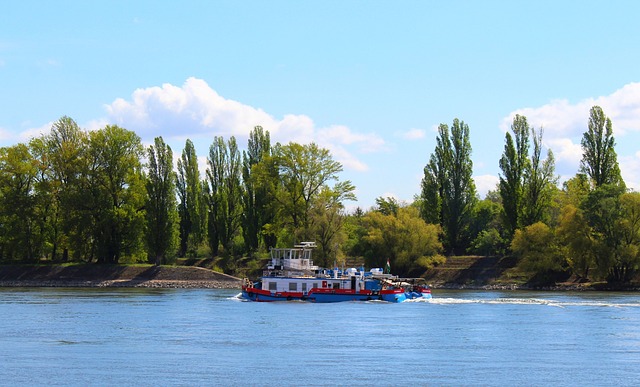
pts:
pixel 331 297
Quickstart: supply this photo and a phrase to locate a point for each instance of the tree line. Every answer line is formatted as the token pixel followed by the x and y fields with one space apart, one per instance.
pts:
pixel 99 196
pixel 589 227
pixel 77 196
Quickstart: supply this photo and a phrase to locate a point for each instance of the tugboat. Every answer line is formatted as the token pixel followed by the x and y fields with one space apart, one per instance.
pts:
pixel 291 275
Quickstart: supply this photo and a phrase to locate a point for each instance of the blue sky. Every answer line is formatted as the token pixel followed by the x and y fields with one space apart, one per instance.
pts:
pixel 369 80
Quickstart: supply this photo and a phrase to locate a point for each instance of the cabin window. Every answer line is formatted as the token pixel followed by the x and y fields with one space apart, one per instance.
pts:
pixel 272 286
pixel 315 285
pixel 336 285
pixel 293 287
pixel 304 286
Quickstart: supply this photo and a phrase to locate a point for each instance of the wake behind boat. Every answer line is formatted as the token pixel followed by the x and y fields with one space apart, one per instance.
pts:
pixel 291 276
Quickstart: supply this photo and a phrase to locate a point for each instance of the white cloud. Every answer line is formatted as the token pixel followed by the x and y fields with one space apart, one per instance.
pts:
pixel 196 110
pixel 5 135
pixel 414 134
pixel 560 118
pixel 485 183
pixel 564 124
pixel 630 170
pixel 31 133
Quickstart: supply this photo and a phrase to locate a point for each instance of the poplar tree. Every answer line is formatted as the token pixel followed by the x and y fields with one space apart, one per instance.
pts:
pixel 513 163
pixel 599 159
pixel 190 194
pixel 448 190
pixel 162 216
pixel 539 182
pixel 224 193
pixel 257 198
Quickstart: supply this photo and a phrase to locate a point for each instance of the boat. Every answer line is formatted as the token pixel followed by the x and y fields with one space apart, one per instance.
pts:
pixel 290 275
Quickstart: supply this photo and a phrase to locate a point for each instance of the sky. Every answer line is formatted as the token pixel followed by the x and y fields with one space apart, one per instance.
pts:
pixel 368 80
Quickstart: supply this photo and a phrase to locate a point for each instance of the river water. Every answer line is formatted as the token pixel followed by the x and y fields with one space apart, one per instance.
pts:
pixel 151 337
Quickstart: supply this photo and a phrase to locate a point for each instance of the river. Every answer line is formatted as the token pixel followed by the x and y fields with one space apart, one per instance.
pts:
pixel 187 337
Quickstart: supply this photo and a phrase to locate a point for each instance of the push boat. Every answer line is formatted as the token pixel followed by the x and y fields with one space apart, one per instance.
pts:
pixel 291 275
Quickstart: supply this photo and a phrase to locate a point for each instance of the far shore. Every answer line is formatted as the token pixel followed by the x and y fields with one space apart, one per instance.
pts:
pixel 193 277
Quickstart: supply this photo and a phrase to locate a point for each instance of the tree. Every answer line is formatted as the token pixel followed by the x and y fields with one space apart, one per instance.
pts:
pixel 536 246
pixel 17 204
pixel 576 236
pixel 448 190
pixel 327 219
pixel 486 227
pixel 406 240
pixel 304 171
pixel 161 211
pixel 387 206
pixel 258 198
pixel 599 159
pixel 65 148
pixel 613 217
pixel 513 163
pixel 436 178
pixel 117 194
pixel 190 194
pixel 539 182
pixel 224 193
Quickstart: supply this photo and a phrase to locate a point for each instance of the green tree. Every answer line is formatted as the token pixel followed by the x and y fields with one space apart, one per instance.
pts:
pixel 327 220
pixel 513 163
pixel 448 190
pixel 259 197
pixel 304 171
pixel 612 215
pixel 410 244
pixel 65 149
pixel 17 204
pixel 225 193
pixel 539 182
pixel 575 235
pixel 387 206
pixel 161 210
pixel 599 159
pixel 190 194
pixel 539 253
pixel 436 178
pixel 117 194
pixel 486 227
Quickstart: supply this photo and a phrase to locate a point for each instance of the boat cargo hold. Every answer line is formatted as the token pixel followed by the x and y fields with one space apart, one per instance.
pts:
pixel 291 275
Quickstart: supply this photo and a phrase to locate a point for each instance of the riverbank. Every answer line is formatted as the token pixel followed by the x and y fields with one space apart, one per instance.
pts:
pixel 138 276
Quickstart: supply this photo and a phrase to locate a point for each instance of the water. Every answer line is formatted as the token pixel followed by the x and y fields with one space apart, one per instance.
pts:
pixel 210 337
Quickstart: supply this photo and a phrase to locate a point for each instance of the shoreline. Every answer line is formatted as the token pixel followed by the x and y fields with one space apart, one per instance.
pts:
pixel 148 284
pixel 115 276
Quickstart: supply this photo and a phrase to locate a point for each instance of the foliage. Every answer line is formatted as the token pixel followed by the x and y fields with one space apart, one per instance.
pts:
pixel 410 244
pixel 305 171
pixel 599 159
pixel 539 183
pixel 613 218
pixel 513 163
pixel 486 227
pixel 192 206
pixel 538 251
pixel 258 199
pixel 224 194
pixel 448 190
pixel 575 235
pixel 117 194
pixel 161 210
